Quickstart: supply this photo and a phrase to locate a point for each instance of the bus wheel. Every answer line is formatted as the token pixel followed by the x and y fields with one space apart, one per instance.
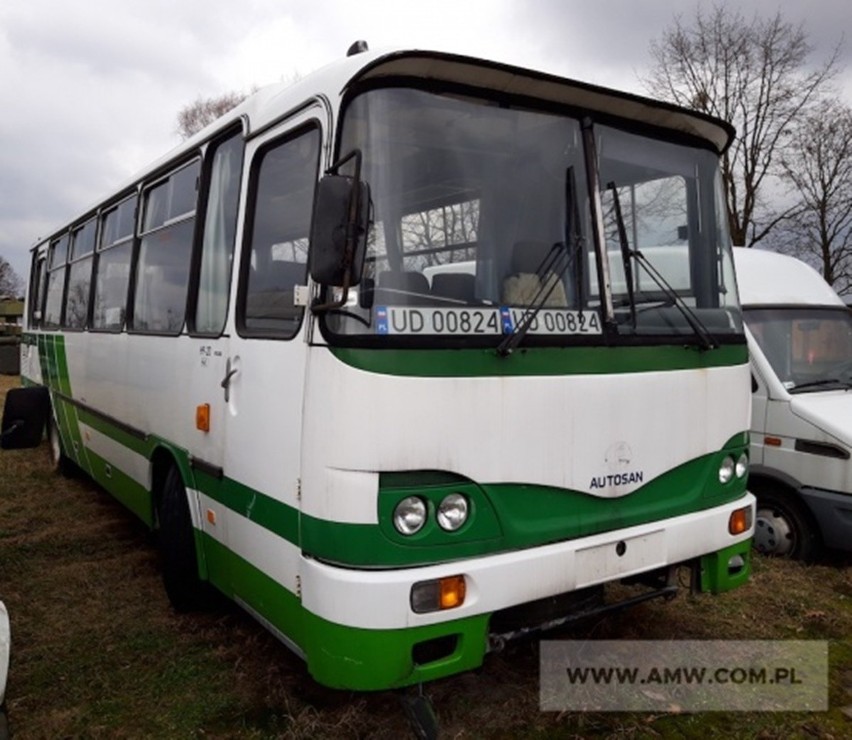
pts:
pixel 60 462
pixel 783 528
pixel 186 591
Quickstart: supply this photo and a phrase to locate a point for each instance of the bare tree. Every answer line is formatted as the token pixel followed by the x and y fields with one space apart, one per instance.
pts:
pixel 11 285
pixel 442 234
pixel 757 76
pixel 818 165
pixel 194 117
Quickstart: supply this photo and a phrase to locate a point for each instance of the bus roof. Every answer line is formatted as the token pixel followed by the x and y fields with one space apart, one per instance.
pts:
pixel 767 278
pixel 275 102
pixel 269 104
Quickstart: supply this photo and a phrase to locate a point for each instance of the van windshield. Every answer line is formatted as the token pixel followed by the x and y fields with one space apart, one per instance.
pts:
pixel 810 349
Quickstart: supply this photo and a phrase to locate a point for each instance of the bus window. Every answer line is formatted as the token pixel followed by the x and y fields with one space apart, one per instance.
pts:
pixel 217 247
pixel 56 282
pixel 278 256
pixel 162 273
pixel 80 276
pixel 113 268
pixel 37 288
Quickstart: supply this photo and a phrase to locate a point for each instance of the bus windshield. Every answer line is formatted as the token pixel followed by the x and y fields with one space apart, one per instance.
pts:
pixel 482 222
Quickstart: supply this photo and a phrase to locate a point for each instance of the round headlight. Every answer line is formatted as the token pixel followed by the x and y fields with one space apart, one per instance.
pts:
pixel 452 512
pixel 742 465
pixel 726 470
pixel 409 516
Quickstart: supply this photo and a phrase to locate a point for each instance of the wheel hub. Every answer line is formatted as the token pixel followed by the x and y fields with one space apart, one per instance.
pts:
pixel 773 534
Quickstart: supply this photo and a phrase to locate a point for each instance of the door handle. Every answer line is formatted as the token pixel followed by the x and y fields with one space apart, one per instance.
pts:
pixel 230 372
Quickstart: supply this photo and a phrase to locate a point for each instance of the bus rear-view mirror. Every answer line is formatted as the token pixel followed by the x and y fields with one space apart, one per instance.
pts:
pixel 339 231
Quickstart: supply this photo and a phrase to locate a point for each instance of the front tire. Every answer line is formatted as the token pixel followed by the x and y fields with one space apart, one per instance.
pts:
pixel 185 589
pixel 783 526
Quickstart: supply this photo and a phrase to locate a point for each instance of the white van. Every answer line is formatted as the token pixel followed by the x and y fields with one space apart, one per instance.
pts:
pixel 800 340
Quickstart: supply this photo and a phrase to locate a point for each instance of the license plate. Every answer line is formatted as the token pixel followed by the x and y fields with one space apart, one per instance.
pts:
pixel 482 321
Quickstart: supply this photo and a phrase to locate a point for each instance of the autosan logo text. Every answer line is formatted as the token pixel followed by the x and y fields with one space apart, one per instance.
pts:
pixel 617 479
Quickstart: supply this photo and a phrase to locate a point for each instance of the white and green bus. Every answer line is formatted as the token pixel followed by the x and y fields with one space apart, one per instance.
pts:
pixel 381 356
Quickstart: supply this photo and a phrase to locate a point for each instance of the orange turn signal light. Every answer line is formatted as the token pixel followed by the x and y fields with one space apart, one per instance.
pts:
pixel 442 593
pixel 202 417
pixel 772 441
pixel 452 591
pixel 740 520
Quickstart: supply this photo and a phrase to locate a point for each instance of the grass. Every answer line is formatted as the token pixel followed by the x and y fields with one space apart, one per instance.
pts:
pixel 97 651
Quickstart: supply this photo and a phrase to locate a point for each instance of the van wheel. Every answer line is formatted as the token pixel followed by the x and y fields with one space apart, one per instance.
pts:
pixel 186 591
pixel 784 528
pixel 60 462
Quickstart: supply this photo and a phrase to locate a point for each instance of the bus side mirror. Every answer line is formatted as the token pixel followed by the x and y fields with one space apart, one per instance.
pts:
pixel 339 231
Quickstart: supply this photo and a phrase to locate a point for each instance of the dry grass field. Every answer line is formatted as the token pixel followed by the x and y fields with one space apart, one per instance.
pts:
pixel 97 651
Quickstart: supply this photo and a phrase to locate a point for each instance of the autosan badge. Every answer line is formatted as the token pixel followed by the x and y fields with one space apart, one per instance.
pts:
pixel 618 458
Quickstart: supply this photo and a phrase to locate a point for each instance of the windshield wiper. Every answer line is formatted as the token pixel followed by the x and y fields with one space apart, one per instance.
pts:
pixel 548 275
pixel 845 384
pixel 701 331
pixel 625 253
pixel 555 262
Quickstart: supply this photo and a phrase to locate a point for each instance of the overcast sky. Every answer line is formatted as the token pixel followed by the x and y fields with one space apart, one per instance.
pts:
pixel 90 89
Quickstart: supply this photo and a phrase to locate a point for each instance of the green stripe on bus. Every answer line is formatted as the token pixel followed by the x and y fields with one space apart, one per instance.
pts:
pixel 347 657
pixel 130 493
pixel 505 516
pixel 267 512
pixel 525 515
pixel 62 364
pixel 98 423
pixel 54 364
pixel 539 360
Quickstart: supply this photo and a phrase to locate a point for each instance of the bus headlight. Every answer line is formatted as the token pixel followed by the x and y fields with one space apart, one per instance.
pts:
pixel 726 469
pixel 452 512
pixel 409 516
pixel 742 466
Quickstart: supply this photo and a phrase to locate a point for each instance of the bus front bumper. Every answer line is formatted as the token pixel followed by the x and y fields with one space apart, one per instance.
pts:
pixel 364 617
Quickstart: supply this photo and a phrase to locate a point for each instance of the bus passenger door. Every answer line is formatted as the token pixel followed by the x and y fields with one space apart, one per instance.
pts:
pixel 264 377
pixel 209 351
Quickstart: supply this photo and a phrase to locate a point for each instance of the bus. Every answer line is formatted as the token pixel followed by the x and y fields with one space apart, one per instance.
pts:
pixel 397 468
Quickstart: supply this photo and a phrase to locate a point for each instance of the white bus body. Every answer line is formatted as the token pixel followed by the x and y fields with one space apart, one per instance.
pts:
pixel 396 478
pixel 800 340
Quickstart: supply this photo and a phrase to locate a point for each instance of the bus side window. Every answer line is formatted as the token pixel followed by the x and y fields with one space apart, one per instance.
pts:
pixel 276 263
pixel 55 283
pixel 217 246
pixel 165 250
pixel 38 283
pixel 112 272
pixel 80 276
